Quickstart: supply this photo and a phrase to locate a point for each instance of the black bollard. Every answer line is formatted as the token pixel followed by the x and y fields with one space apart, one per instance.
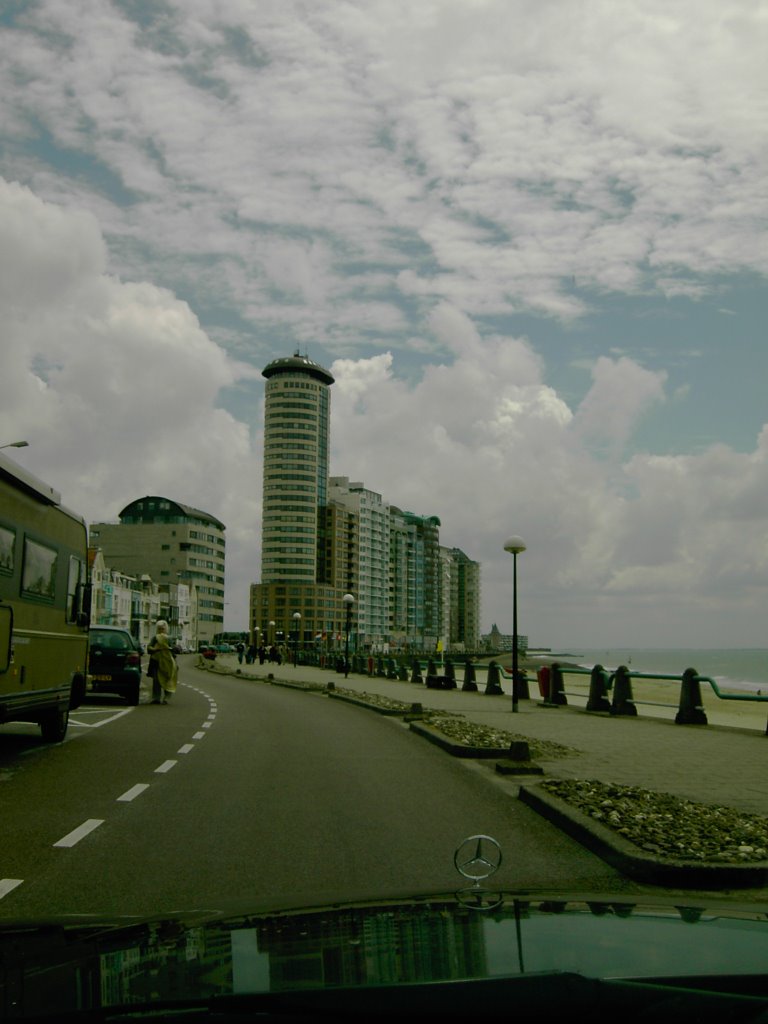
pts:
pixel 623 702
pixel 470 684
pixel 555 693
pixel 598 690
pixel 691 709
pixel 493 685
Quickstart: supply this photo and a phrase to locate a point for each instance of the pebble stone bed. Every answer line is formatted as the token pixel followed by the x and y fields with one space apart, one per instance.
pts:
pixel 657 823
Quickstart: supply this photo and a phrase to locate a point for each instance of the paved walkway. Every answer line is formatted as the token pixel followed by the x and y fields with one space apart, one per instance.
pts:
pixel 723 762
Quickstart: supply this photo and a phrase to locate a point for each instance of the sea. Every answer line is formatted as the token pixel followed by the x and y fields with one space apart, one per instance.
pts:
pixel 734 669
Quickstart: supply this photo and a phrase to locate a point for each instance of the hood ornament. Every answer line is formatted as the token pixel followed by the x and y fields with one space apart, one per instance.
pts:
pixel 477 858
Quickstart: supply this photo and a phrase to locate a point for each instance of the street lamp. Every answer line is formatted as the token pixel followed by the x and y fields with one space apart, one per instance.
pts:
pixel 271 632
pixel 296 621
pixel 348 600
pixel 15 444
pixel 514 545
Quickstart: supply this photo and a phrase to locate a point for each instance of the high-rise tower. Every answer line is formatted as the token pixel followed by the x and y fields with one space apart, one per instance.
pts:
pixel 296 423
pixel 295 601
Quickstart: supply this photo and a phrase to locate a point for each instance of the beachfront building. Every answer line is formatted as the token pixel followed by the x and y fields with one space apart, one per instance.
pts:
pixel 370 514
pixel 324 537
pixel 170 543
pixel 298 600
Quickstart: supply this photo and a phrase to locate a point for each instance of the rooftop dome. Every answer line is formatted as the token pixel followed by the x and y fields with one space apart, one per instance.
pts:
pixel 298 363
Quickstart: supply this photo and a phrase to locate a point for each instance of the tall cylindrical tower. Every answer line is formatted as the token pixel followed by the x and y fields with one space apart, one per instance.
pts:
pixel 295 480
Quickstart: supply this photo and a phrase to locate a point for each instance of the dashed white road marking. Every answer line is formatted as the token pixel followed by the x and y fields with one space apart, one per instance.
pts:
pixel 80 832
pixel 198 735
pixel 207 725
pixel 8 885
pixel 133 792
pixel 165 767
pixel 186 748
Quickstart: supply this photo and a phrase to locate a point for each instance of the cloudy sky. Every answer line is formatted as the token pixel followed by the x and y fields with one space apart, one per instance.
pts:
pixel 528 237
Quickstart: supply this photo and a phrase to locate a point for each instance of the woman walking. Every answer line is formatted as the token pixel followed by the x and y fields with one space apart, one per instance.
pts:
pixel 162 665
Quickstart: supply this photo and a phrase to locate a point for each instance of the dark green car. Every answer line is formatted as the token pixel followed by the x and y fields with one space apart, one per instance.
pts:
pixel 114 662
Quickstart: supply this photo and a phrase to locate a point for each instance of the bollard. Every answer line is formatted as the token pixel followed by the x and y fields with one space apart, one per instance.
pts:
pixel 523 692
pixel 402 672
pixel 416 672
pixel 470 684
pixel 623 701
pixel 391 669
pixel 450 675
pixel 555 692
pixel 598 690
pixel 493 685
pixel 691 710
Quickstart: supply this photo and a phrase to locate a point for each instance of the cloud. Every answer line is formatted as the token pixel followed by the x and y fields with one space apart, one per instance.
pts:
pixel 452 203
pixel 114 384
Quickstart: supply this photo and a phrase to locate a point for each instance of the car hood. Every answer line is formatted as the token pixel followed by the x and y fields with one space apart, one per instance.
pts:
pixel 431 946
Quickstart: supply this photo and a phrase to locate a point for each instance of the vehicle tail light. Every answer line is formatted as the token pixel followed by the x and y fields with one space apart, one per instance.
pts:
pixel 133 659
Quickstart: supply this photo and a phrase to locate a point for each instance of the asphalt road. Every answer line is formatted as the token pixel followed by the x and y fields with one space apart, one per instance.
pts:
pixel 244 794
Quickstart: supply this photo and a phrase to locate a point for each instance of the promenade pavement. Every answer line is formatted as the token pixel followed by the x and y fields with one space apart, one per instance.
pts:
pixel 722 762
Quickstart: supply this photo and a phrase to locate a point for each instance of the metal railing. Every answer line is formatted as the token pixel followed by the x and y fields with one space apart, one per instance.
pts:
pixel 622 701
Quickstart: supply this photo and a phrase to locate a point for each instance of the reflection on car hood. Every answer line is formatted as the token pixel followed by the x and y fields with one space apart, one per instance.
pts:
pixel 472 935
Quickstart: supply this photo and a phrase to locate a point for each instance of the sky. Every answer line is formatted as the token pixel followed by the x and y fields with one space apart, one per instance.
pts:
pixel 527 237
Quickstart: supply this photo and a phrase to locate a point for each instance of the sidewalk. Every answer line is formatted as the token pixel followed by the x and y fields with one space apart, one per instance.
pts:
pixel 722 762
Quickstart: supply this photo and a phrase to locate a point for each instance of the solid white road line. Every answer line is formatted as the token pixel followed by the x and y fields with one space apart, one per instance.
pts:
pixel 165 766
pixel 96 725
pixel 80 832
pixel 8 885
pixel 133 792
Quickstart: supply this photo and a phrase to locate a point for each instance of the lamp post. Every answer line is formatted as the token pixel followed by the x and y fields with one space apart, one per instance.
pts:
pixel 514 545
pixel 348 600
pixel 15 444
pixel 271 632
pixel 296 621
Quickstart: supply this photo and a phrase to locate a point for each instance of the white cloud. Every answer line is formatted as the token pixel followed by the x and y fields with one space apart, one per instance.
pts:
pixel 399 185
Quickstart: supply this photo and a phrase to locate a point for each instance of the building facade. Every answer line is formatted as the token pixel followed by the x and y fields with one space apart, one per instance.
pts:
pixel 172 544
pixel 298 600
pixel 324 537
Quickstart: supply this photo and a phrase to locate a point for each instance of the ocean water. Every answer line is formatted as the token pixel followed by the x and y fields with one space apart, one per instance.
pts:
pixel 736 669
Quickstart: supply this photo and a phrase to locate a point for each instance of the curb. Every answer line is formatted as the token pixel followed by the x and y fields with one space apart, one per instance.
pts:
pixel 457 749
pixel 415 710
pixel 631 861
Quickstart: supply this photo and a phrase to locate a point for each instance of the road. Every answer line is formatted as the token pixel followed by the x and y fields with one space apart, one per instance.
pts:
pixel 241 793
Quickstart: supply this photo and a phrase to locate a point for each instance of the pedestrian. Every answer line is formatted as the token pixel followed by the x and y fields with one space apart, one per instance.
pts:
pixel 262 654
pixel 250 655
pixel 162 668
pixel 240 651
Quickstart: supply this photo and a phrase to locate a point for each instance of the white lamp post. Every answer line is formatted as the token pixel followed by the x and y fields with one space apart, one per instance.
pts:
pixel 296 621
pixel 514 545
pixel 348 600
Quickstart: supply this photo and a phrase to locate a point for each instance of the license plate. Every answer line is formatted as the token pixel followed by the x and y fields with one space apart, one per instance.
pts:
pixel 102 679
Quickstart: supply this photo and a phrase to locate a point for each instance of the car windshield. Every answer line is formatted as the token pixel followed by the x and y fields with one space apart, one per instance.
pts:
pixel 384 470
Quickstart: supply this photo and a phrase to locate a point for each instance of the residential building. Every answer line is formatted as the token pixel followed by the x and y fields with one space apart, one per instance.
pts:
pixel 298 600
pixel 172 544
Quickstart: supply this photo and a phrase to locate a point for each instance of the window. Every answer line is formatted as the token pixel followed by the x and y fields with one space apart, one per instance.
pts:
pixel 39 573
pixel 7 547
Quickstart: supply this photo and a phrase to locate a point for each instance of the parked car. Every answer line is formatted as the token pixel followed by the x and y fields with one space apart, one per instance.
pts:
pixel 114 662
pixel 208 653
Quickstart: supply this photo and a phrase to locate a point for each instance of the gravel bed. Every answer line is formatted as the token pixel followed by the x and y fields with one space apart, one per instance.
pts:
pixel 457 727
pixel 668 825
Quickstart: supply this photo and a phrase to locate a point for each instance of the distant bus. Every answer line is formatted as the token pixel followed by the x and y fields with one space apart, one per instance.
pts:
pixel 44 604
